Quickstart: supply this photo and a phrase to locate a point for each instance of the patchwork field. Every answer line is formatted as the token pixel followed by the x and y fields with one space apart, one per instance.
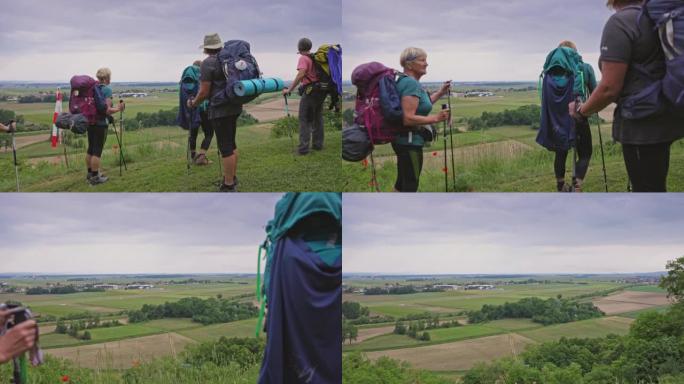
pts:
pixel 129 344
pixel 452 350
pixel 631 301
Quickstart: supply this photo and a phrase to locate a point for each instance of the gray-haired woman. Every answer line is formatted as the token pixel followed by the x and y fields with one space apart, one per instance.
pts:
pixel 416 104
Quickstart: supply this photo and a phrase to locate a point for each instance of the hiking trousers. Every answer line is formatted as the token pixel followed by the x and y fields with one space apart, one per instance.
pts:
pixel 584 151
pixel 647 166
pixel 206 129
pixel 409 167
pixel 225 129
pixel 311 122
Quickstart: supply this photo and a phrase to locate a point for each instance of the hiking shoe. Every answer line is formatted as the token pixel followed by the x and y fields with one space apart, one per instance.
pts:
pixel 560 186
pixel 317 148
pixel 98 179
pixel 201 159
pixel 228 188
pixel 235 181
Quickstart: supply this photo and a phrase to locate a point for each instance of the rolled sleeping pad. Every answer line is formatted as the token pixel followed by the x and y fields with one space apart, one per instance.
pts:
pixel 258 86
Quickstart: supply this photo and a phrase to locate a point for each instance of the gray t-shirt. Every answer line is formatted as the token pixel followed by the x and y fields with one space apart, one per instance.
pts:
pixel 210 70
pixel 632 40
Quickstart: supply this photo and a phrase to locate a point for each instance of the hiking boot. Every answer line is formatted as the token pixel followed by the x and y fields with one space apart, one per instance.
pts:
pixel 560 186
pixel 235 181
pixel 317 148
pixel 98 178
pixel 228 188
pixel 201 159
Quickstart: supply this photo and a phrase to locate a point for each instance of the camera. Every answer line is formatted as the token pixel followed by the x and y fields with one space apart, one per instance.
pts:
pixel 18 315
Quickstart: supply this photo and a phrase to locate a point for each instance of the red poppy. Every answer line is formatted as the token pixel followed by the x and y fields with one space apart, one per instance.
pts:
pixel 434 153
pixel 364 163
pixel 445 169
pixel 65 378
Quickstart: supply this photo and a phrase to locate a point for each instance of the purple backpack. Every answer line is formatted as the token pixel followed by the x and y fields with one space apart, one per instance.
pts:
pixel 667 17
pixel 376 101
pixel 87 98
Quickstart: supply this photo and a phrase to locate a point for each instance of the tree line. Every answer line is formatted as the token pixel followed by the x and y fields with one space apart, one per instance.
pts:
pixel 546 312
pixel 168 118
pixel 205 311
pixel 61 290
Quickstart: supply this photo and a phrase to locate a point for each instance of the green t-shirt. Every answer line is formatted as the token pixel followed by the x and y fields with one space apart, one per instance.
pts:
pixel 107 93
pixel 408 86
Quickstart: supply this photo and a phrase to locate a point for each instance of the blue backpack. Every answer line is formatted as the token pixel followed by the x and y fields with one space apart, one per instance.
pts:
pixel 237 63
pixel 667 17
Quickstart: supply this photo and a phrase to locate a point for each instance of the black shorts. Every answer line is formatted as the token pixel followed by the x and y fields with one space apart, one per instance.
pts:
pixel 96 140
pixel 225 129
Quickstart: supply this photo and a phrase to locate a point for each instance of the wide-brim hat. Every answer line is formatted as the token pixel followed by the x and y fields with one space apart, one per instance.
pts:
pixel 212 41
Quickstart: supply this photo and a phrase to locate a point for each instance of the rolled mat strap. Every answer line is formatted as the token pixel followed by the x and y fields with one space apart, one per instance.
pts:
pixel 253 87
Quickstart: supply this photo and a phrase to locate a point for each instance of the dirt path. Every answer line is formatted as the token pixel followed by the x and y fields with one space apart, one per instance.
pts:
pixel 23 141
pixel 367 333
pixel 629 301
pixel 273 109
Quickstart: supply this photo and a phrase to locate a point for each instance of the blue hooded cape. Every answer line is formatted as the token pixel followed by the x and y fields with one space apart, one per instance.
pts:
pixel 557 128
pixel 188 118
pixel 303 288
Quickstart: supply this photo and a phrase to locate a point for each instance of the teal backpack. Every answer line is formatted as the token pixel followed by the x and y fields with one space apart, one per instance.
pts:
pixel 562 63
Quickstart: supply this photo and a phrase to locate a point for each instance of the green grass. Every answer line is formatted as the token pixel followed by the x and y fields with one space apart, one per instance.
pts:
pixel 583 329
pixel 122 332
pixel 515 164
pixel 635 314
pixel 647 288
pixel 157 163
pixel 243 328
pixel 52 340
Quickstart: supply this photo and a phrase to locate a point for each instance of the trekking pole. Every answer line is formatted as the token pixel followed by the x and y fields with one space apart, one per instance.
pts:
pixel 446 170
pixel 374 176
pixel 290 130
pixel 603 158
pixel 451 138
pixel 118 141
pixel 187 152
pixel 121 152
pixel 14 155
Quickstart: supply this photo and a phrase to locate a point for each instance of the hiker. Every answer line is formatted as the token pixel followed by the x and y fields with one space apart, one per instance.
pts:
pixel 629 47
pixel 201 157
pixel 311 103
pixel 16 340
pixel 97 133
pixel 303 290
pixel 416 105
pixel 583 142
pixel 9 128
pixel 222 118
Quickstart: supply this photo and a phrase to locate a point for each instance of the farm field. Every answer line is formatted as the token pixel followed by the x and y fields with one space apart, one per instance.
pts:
pixel 451 351
pixel 502 159
pixel 156 157
pixel 129 344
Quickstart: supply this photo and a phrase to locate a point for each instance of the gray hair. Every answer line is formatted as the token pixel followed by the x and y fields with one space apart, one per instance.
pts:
pixel 410 54
pixel 104 74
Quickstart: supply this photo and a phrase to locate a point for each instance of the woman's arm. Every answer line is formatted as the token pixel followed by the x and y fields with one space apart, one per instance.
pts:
pixel 111 109
pixel 442 91
pixel 608 90
pixel 202 94
pixel 409 104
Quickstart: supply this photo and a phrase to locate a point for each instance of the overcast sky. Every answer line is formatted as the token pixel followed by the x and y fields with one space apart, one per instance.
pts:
pixel 153 40
pixel 516 234
pixel 471 40
pixel 133 233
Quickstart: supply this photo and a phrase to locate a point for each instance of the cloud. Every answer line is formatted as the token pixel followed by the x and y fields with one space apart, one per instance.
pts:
pixel 117 233
pixel 153 40
pixel 471 40
pixel 502 233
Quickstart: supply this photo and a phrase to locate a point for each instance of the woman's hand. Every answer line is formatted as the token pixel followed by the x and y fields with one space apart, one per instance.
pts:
pixel 445 87
pixel 17 340
pixel 443 115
